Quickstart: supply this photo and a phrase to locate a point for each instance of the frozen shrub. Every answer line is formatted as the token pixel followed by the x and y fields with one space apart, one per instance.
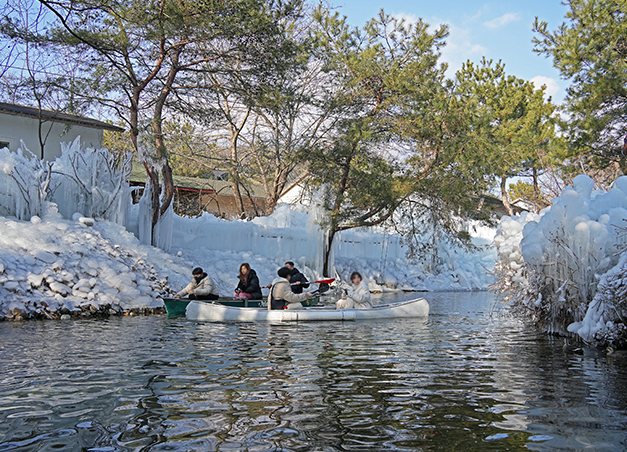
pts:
pixel 92 182
pixel 549 265
pixel 24 183
pixel 604 322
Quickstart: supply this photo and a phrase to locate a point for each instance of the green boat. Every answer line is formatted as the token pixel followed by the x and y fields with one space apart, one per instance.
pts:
pixel 176 306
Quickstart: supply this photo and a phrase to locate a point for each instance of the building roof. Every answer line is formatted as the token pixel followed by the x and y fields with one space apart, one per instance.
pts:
pixel 219 187
pixel 56 116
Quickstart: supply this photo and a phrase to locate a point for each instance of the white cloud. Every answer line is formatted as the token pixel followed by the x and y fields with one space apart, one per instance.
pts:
pixel 410 19
pixel 460 48
pixel 552 86
pixel 502 20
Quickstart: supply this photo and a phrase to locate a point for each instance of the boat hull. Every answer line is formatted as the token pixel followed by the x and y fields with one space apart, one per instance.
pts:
pixel 176 306
pixel 206 312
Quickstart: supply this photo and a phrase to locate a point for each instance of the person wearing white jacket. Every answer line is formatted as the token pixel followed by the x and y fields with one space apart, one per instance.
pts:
pixel 359 297
pixel 281 295
pixel 201 287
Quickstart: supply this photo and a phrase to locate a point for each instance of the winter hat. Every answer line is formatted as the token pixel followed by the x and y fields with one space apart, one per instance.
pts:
pixel 197 271
pixel 283 272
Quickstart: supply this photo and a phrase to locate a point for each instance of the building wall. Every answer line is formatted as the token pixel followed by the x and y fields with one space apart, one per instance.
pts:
pixel 15 128
pixel 225 206
pixel 188 203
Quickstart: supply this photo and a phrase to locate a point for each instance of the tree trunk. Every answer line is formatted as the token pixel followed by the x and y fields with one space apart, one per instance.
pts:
pixel 235 179
pixel 153 176
pixel 326 267
pixel 161 205
pixel 504 196
pixel 339 196
pixel 536 190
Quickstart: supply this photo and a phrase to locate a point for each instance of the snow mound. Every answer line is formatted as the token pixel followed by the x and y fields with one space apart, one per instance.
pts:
pixel 53 266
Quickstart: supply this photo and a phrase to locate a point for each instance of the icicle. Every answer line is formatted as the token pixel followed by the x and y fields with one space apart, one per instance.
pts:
pixel 317 232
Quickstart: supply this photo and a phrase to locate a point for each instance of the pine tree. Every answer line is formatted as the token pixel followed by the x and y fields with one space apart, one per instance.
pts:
pixel 590 50
pixel 508 118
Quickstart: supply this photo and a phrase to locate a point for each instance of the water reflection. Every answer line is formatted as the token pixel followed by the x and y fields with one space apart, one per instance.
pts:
pixel 458 381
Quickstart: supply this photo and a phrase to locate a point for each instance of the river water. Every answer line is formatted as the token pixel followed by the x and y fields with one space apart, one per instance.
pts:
pixel 461 380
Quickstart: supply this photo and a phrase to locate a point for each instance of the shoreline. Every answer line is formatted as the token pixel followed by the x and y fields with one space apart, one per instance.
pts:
pixel 83 312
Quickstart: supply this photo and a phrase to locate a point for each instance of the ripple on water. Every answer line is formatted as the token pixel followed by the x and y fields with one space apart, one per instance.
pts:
pixel 459 381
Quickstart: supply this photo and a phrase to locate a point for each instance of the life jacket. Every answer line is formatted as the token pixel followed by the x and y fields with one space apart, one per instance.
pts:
pixel 276 304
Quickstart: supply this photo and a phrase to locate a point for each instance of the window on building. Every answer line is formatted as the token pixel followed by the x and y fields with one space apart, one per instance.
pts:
pixel 4 144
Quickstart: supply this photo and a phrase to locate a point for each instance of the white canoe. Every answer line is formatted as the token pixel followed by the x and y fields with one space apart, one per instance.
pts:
pixel 210 312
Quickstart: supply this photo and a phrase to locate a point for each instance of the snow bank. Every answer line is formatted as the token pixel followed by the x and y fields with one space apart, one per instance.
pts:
pixel 550 264
pixel 53 266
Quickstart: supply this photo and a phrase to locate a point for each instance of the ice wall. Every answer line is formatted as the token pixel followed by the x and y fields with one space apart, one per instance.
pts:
pixel 291 235
pixel 264 236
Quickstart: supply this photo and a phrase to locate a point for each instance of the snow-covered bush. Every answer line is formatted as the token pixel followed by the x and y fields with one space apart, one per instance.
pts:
pixel 92 182
pixel 605 321
pixel 24 184
pixel 549 265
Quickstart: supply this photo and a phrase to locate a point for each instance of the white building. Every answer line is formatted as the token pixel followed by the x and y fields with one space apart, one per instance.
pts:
pixel 34 127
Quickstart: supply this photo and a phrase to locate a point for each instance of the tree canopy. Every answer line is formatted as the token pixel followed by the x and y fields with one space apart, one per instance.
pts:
pixel 590 50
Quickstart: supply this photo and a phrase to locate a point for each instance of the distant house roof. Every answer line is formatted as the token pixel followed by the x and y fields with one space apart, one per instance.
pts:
pixel 56 116
pixel 198 184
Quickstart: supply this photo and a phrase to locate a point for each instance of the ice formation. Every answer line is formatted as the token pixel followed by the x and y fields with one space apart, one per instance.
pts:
pixel 24 183
pixel 285 235
pixel 551 263
pixel 90 181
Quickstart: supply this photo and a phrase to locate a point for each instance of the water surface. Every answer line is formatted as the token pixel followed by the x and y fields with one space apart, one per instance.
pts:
pixel 461 380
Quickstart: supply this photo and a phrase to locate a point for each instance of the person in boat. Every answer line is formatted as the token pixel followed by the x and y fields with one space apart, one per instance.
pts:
pixel 201 287
pixel 297 279
pixel 358 297
pixel 281 295
pixel 248 285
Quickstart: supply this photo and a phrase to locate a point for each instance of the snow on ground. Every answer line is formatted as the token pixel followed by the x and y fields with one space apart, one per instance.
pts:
pixel 55 266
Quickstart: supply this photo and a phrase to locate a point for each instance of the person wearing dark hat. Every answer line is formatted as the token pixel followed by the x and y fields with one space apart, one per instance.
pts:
pixel 297 279
pixel 201 287
pixel 281 295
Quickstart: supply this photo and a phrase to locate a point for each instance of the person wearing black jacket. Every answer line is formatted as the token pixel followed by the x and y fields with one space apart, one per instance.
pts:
pixel 248 285
pixel 296 278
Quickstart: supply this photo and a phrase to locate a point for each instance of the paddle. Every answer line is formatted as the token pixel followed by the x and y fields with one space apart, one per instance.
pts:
pixel 326 281
pixel 322 281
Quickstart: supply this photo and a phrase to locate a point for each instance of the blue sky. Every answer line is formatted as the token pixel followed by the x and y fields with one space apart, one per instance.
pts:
pixel 499 30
